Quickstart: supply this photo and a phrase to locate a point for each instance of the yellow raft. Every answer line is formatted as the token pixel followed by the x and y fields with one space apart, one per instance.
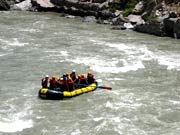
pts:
pixel 46 93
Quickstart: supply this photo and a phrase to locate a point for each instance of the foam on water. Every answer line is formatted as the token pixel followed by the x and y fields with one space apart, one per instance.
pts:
pixel 171 61
pixel 12 121
pixel 9 45
pixel 135 55
pixel 56 53
pixel 29 30
pixel 15 126
pixel 4 54
pixel 16 42
pixel 76 132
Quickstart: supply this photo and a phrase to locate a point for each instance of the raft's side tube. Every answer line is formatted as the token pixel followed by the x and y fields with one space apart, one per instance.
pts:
pixel 50 94
pixel 67 94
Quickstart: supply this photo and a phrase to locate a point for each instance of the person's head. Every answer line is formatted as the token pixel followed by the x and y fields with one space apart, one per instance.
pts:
pixel 69 79
pixel 67 74
pixel 89 73
pixel 53 77
pixel 73 71
pixel 47 76
pixel 79 75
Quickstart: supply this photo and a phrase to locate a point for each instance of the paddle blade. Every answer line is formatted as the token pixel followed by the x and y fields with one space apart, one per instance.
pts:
pixel 104 87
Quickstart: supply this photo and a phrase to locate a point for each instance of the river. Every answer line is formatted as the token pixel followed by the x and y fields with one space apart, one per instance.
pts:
pixel 143 71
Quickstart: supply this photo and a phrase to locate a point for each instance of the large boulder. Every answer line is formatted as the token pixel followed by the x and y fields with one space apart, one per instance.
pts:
pixel 45 3
pixel 177 29
pixel 151 28
pixel 75 3
pixel 23 6
pixel 106 14
pixel 42 5
pixel 136 19
pixel 169 26
pixel 172 27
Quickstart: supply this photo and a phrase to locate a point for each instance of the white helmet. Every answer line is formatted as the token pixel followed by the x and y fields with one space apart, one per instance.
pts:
pixel 73 70
pixel 47 76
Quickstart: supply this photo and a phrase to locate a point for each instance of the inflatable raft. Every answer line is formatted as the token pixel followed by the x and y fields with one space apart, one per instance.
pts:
pixel 46 93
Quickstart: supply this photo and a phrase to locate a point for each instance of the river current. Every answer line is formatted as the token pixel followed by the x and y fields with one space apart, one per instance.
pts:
pixel 143 71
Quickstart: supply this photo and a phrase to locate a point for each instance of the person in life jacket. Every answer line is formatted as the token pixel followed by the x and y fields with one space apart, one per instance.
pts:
pixel 53 83
pixel 70 84
pixel 83 81
pixel 64 76
pixel 61 84
pixel 45 82
pixel 90 78
pixel 73 75
pixel 58 82
pixel 77 81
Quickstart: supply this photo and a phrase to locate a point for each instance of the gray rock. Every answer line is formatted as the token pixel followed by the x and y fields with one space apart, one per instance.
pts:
pixel 45 3
pixel 106 14
pixel 136 19
pixel 99 1
pixel 118 27
pixel 151 28
pixel 177 29
pixel 104 5
pixel 138 8
pixel 118 21
pixel 23 6
pixel 169 26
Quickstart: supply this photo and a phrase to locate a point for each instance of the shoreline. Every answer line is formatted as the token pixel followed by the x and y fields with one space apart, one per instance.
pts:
pixel 160 20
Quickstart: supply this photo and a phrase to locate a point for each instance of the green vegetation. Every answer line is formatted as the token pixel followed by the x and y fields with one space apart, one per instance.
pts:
pixel 129 7
pixel 113 7
pixel 127 11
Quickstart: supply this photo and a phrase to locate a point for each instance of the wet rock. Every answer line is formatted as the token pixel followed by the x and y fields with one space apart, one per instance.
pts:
pixel 177 29
pixel 120 20
pixel 151 28
pixel 172 27
pixel 106 14
pixel 120 27
pixel 172 15
pixel 169 26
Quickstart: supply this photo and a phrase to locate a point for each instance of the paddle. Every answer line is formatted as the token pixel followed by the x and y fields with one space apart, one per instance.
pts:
pixel 100 87
pixel 104 87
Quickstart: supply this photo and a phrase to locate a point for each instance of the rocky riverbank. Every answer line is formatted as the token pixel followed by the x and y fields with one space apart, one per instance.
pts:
pixel 157 17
